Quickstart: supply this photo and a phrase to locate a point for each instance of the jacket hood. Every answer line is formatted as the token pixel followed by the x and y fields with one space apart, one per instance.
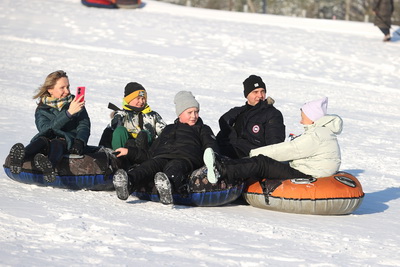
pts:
pixel 332 122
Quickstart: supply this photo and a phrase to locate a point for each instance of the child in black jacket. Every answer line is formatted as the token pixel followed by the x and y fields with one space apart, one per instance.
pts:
pixel 172 157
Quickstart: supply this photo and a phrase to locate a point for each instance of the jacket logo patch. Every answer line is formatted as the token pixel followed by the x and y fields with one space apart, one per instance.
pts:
pixel 256 129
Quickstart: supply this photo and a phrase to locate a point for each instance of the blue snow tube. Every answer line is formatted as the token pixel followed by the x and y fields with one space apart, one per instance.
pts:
pixel 201 193
pixel 93 171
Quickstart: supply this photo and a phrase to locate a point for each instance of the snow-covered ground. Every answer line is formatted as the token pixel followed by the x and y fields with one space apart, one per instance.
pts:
pixel 170 48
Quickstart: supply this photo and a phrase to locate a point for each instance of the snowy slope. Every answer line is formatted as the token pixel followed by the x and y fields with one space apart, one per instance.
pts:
pixel 170 48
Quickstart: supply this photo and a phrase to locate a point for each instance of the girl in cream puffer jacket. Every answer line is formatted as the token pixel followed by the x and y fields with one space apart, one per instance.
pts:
pixel 316 152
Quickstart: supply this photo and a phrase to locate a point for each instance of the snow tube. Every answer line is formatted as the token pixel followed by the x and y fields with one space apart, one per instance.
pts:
pixel 201 193
pixel 128 3
pixel 93 171
pixel 334 195
pixel 99 3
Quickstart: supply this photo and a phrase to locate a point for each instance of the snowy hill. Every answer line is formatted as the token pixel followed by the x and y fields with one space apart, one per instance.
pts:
pixel 169 48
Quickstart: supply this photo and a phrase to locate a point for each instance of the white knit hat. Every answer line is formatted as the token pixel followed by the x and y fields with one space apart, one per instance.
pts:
pixel 316 109
pixel 184 100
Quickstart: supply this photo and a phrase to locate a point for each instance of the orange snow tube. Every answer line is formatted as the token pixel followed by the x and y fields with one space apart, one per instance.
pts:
pixel 334 195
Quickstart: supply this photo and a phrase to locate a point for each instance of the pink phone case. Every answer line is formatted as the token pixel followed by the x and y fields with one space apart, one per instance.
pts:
pixel 80 91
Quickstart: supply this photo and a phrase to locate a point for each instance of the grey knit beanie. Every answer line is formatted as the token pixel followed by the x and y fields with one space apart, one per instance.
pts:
pixel 184 100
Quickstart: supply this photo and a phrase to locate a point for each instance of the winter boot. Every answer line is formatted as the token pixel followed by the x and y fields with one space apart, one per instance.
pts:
pixel 164 188
pixel 17 155
pixel 43 164
pixel 214 167
pixel 387 38
pixel 121 184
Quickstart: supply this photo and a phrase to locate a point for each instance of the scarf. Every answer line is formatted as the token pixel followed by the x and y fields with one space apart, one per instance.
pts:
pixel 140 111
pixel 57 103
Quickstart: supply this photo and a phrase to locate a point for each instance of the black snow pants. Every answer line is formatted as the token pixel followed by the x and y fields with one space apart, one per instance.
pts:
pixel 177 171
pixel 54 149
pixel 258 168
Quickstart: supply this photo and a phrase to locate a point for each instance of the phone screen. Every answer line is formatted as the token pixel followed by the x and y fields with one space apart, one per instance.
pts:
pixel 80 91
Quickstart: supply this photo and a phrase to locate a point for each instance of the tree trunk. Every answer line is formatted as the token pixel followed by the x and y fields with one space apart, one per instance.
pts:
pixel 251 6
pixel 348 5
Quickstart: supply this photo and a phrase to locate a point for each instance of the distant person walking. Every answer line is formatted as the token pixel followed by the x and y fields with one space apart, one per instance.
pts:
pixel 383 10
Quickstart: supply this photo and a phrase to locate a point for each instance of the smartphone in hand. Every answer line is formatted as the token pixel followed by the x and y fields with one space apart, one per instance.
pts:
pixel 80 91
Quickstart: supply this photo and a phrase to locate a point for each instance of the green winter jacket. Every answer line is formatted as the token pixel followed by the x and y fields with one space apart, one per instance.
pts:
pixel 316 152
pixel 52 123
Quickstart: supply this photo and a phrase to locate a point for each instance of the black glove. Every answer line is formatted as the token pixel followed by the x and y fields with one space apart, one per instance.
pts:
pixel 77 147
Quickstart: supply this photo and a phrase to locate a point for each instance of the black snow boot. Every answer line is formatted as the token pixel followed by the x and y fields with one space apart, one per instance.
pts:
pixel 43 164
pixel 17 155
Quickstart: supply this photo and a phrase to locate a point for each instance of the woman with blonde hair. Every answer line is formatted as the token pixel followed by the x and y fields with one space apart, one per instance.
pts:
pixel 63 125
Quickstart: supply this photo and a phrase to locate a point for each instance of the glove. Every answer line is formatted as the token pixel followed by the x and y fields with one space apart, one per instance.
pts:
pixel 77 147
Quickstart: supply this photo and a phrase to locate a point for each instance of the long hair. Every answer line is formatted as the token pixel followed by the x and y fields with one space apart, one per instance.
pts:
pixel 49 83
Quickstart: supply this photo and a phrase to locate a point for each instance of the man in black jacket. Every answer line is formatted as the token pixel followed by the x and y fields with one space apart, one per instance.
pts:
pixel 257 123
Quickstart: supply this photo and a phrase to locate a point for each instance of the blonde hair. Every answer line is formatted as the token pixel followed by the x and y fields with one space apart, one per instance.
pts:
pixel 49 83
